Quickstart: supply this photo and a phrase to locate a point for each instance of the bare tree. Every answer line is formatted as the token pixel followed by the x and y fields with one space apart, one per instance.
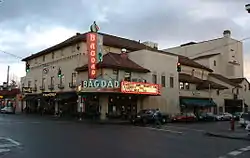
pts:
pixel 14 81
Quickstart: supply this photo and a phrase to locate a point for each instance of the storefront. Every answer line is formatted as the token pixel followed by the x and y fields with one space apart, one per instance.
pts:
pixel 113 99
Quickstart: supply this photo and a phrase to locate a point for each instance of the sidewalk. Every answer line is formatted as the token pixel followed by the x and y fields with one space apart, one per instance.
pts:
pixel 239 134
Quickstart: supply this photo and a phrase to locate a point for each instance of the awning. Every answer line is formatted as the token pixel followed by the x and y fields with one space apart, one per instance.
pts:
pixel 189 102
pixel 66 96
pixel 29 97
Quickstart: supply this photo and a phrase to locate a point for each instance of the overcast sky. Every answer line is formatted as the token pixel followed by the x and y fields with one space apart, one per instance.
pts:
pixel 28 26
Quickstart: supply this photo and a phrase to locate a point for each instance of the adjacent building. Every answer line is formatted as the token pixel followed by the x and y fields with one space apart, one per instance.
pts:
pixel 224 56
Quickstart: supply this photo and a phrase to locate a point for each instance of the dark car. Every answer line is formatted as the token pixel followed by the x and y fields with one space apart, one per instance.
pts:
pixel 237 115
pixel 207 117
pixel 146 116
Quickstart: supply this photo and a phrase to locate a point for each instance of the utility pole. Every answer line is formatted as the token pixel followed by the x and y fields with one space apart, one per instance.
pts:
pixel 8 75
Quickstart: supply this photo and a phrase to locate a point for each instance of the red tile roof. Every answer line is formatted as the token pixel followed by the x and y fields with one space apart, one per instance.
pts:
pixel 189 79
pixel 108 40
pixel 210 84
pixel 116 61
pixel 224 79
pixel 189 62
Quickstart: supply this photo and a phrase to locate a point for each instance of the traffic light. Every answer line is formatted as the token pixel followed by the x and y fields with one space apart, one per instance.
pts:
pixel 59 74
pixel 100 57
pixel 27 67
pixel 178 67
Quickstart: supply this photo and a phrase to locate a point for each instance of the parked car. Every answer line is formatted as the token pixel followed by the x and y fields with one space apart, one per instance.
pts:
pixel 224 117
pixel 146 117
pixel 248 128
pixel 237 115
pixel 244 119
pixel 185 117
pixel 8 110
pixel 207 117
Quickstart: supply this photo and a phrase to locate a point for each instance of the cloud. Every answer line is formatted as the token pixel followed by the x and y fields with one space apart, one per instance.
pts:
pixel 27 26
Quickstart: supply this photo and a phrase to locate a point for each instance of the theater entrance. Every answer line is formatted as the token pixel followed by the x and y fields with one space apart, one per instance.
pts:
pixel 122 106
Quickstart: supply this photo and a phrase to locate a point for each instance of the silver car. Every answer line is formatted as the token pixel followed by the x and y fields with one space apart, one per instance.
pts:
pixel 8 110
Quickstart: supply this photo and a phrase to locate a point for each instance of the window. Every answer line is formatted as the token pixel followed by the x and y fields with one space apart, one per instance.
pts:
pixel 171 82
pixel 43 82
pixel 154 79
pixel 237 91
pixel 127 76
pixel 29 83
pixel 245 89
pixel 73 78
pixel 181 85
pixel 43 58
pixel 187 86
pixel 52 80
pixel 163 81
pixel 192 73
pixel 218 92
pixel 53 55
pixel 214 62
pixel 116 73
pixel 35 83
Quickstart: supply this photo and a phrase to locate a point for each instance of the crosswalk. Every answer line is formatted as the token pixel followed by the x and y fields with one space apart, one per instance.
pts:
pixel 7 144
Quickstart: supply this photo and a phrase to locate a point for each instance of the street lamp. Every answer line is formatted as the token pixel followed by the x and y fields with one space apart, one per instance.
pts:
pixel 247 7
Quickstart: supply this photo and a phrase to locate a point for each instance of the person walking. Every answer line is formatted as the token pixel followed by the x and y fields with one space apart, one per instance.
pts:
pixel 156 118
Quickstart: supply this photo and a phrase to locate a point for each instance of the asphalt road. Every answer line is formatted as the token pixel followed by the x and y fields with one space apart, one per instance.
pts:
pixel 38 137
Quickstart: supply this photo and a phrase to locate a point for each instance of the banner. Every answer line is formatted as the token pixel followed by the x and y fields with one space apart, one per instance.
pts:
pixel 92 53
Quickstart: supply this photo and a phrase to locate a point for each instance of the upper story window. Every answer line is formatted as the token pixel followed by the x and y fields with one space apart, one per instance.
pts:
pixel 53 55
pixel 214 62
pixel 163 81
pixel 116 73
pixel 52 80
pixel 35 83
pixel 218 92
pixel 73 77
pixel 245 87
pixel 184 86
pixel 171 80
pixel 181 85
pixel 127 76
pixel 44 58
pixel 154 79
pixel 192 73
pixel 29 83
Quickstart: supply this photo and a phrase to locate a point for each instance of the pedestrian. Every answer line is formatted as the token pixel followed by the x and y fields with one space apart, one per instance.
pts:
pixel 156 117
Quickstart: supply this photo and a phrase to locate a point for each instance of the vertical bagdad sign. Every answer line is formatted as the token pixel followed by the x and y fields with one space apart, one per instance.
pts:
pixel 92 48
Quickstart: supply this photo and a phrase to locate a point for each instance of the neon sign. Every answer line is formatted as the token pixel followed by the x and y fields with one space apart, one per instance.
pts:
pixel 92 49
pixel 140 88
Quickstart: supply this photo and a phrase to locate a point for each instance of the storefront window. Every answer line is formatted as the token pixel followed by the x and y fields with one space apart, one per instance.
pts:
pixel 154 79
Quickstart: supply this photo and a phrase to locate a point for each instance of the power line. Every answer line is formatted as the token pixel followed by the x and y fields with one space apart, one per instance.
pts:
pixel 244 39
pixel 11 54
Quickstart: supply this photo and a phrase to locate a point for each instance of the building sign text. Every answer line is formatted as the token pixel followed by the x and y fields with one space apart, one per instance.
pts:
pixel 92 52
pixel 140 88
pixel 100 84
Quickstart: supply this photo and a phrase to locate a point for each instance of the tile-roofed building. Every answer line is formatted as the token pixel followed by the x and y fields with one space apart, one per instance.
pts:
pixel 189 62
pixel 116 61
pixel 224 79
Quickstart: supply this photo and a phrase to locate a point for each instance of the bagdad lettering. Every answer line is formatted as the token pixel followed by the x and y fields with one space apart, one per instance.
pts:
pixel 100 84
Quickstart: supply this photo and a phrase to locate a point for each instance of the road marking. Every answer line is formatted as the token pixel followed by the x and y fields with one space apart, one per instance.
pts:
pixel 191 129
pixel 234 153
pixel 13 141
pixel 244 149
pixel 4 150
pixel 165 130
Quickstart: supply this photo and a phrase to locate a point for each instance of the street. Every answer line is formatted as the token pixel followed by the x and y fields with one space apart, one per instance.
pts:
pixel 24 136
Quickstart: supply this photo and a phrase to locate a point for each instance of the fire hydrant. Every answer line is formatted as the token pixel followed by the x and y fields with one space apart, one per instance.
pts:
pixel 232 124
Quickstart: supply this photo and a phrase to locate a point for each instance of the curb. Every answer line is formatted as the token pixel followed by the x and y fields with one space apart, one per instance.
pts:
pixel 226 136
